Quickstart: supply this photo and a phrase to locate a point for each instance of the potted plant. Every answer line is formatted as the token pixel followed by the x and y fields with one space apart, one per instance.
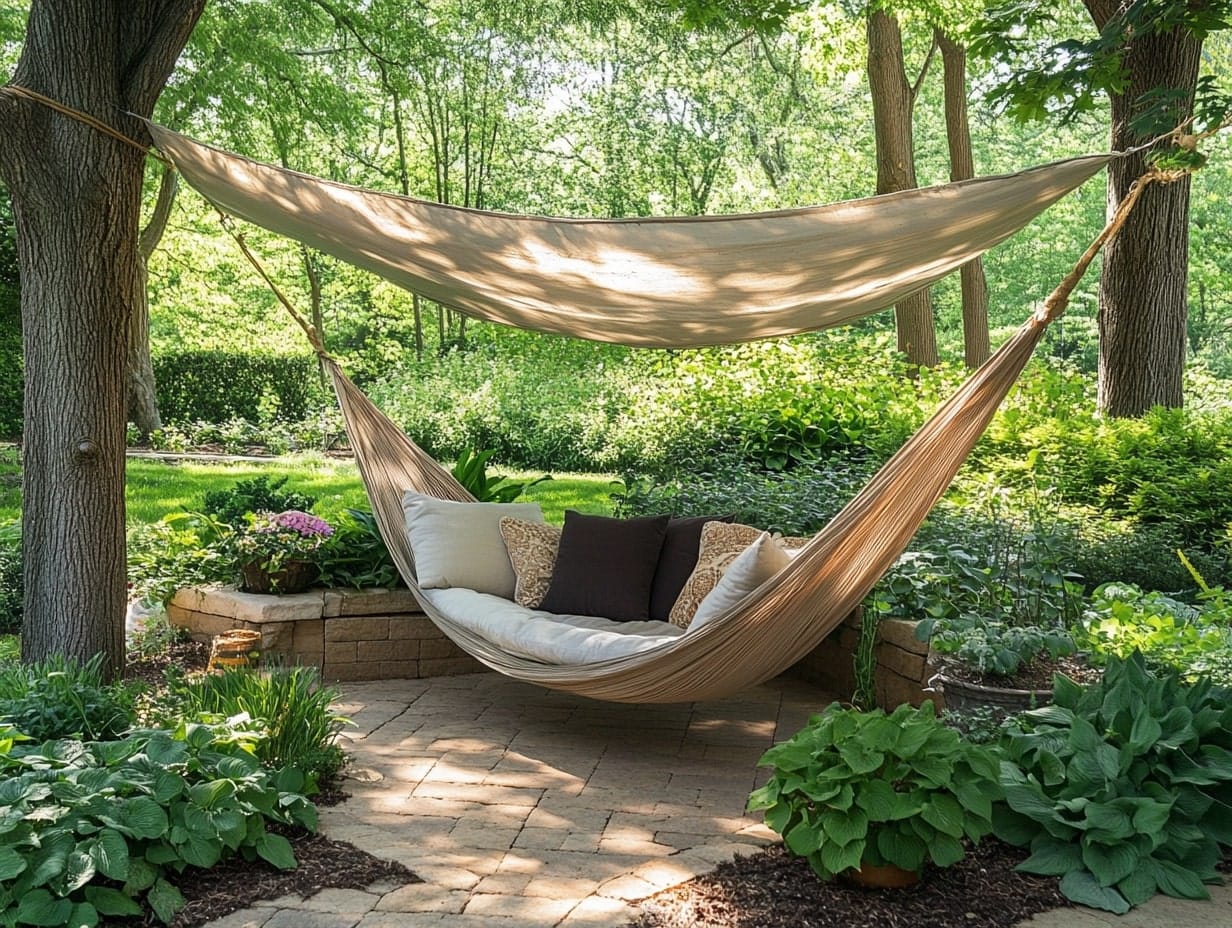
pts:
pixel 276 552
pixel 870 795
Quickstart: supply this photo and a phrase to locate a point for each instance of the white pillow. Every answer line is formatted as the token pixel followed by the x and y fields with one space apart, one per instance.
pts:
pixel 460 544
pixel 754 566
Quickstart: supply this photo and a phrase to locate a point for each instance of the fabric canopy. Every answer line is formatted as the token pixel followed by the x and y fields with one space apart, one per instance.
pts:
pixel 656 282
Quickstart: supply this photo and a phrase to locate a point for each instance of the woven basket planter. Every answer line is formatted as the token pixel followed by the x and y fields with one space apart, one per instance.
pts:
pixel 294 577
pixel 961 696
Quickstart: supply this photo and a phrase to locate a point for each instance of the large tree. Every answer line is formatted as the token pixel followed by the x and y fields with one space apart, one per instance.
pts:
pixel 1145 59
pixel 76 199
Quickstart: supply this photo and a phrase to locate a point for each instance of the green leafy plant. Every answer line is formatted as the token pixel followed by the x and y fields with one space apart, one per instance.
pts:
pixel 994 648
pixel 1121 619
pixel 258 494
pixel 1123 789
pixel 471 471
pixel 93 828
pixel 12 585
pixel 181 549
pixel 356 555
pixel 865 787
pixel 273 540
pixel 59 698
pixel 287 705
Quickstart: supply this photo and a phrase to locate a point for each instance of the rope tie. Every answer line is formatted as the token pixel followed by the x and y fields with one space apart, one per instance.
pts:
pixel 17 90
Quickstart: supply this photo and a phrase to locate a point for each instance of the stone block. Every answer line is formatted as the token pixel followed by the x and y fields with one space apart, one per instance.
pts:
pixel 277 638
pixel 901 634
pixel 214 600
pixel 264 607
pixel 347 673
pixel 356 629
pixel 201 626
pixel 308 636
pixel 413 626
pixel 439 648
pixel 404 650
pixel 904 663
pixel 340 652
pixel 377 601
pixel 449 666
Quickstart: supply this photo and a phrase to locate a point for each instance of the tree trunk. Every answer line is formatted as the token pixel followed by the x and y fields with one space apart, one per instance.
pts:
pixel 142 389
pixel 76 196
pixel 1142 288
pixel 893 103
pixel 976 347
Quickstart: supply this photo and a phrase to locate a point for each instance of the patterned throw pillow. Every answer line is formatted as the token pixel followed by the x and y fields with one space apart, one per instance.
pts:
pixel 721 544
pixel 532 548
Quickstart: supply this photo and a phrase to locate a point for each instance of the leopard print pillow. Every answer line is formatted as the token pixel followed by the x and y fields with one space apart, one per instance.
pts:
pixel 722 543
pixel 532 548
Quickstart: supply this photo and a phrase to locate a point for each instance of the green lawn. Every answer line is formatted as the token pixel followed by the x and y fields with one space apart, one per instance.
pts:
pixel 156 488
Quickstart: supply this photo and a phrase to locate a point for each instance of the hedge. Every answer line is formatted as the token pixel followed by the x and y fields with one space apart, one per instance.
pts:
pixel 217 386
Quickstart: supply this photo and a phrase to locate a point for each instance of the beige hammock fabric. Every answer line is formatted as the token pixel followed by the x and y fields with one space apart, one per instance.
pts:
pixel 657 282
pixel 671 282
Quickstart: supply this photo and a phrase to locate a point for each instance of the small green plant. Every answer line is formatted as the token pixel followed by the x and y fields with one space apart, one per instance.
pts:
pixel 59 698
pixel 288 706
pixel 356 555
pixel 94 828
pixel 272 541
pixel 154 636
pixel 1123 788
pixel 993 647
pixel 865 787
pixel 259 494
pixel 12 585
pixel 471 471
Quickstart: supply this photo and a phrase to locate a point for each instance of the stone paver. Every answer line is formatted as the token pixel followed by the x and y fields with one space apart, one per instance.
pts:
pixel 524 808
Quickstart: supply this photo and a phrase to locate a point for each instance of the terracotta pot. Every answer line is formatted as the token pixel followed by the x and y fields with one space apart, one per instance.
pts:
pixel 887 876
pixel 963 696
pixel 293 577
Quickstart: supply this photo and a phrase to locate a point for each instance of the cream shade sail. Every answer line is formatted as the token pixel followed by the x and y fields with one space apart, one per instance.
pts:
pixel 656 282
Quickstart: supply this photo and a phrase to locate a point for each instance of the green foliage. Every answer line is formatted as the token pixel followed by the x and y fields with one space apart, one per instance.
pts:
pixel 153 637
pixel 356 555
pixel 12 582
pixel 863 787
pixel 59 698
pixel 258 494
pixel 471 471
pixel 287 706
pixel 795 502
pixel 1194 641
pixel 218 386
pixel 177 551
pixel 992 647
pixel 92 829
pixel 1124 788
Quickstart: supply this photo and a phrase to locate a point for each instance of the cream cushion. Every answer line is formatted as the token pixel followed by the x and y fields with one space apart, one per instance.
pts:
pixel 721 543
pixel 756 564
pixel 460 544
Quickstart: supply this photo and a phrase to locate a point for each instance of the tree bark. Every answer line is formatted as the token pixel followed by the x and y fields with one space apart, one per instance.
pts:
pixel 142 389
pixel 976 346
pixel 893 105
pixel 76 197
pixel 1142 287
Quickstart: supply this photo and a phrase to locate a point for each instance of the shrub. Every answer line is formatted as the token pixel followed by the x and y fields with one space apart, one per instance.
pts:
pixel 218 386
pixel 258 494
pixel 12 583
pixel 1122 789
pixel 795 502
pixel 95 827
pixel 178 551
pixel 288 706
pixel 865 787
pixel 59 698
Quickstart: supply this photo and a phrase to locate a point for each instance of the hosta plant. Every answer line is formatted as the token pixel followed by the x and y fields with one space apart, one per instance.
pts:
pixel 1124 788
pixel 90 829
pixel 857 788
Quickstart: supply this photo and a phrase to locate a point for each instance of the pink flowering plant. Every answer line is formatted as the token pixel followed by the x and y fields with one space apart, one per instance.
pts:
pixel 272 540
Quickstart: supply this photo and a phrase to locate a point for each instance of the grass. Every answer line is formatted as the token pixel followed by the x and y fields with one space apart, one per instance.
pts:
pixel 157 488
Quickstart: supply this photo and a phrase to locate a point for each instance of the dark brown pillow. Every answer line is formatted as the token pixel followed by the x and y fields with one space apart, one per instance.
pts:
pixel 605 566
pixel 676 562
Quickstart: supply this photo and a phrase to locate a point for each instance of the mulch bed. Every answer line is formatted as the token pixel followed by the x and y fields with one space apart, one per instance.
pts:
pixel 771 889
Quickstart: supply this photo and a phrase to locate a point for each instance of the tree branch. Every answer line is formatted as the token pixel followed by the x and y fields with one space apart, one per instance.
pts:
pixel 919 81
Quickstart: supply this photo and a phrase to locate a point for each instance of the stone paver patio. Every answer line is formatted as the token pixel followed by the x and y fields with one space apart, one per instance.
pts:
pixel 524 808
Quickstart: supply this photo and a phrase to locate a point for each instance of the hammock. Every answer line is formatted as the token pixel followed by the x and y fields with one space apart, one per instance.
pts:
pixel 671 282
